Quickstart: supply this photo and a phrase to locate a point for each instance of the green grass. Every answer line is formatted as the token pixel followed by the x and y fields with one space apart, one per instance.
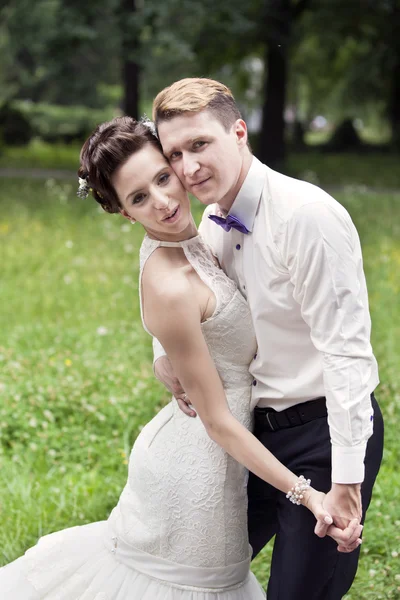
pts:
pixel 41 155
pixel 359 172
pixel 76 382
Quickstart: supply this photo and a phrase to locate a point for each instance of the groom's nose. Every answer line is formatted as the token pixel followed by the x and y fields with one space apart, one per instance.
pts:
pixel 190 165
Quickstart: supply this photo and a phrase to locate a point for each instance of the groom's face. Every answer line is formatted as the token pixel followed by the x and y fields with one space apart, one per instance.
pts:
pixel 206 157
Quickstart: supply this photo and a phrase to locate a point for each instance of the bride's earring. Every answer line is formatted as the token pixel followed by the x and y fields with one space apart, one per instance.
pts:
pixel 133 222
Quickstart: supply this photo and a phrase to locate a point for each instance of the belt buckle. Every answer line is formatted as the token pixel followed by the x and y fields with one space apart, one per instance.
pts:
pixel 269 421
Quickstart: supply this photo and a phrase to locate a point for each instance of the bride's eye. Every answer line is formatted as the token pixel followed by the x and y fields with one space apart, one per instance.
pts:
pixel 164 178
pixel 138 198
pixel 199 144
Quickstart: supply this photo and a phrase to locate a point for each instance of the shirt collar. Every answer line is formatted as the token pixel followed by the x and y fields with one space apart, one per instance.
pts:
pixel 246 202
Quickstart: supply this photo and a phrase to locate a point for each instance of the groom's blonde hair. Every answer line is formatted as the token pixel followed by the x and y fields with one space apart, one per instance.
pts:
pixel 194 94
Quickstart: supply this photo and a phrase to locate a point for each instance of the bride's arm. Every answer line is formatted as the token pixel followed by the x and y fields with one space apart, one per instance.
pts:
pixel 173 315
pixel 175 320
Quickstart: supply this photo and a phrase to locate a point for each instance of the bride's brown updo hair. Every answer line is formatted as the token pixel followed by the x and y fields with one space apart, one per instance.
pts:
pixel 108 148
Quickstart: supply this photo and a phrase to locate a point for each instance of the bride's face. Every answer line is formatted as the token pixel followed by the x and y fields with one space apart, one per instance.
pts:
pixel 151 193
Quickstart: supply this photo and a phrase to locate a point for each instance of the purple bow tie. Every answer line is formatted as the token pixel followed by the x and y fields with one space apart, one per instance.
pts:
pixel 229 222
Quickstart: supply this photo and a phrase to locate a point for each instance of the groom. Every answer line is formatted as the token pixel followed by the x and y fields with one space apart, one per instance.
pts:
pixel 295 255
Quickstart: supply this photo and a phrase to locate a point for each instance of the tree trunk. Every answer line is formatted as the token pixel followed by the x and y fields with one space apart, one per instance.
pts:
pixel 395 105
pixel 130 67
pixel 394 100
pixel 131 88
pixel 272 149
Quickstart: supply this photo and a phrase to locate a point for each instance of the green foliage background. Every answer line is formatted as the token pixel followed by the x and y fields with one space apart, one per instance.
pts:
pixel 344 57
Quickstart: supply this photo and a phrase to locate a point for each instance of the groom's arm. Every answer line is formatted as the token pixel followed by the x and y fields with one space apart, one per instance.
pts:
pixel 164 372
pixel 322 253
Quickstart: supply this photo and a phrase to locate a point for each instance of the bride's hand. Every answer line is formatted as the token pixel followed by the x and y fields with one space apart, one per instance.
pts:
pixel 347 539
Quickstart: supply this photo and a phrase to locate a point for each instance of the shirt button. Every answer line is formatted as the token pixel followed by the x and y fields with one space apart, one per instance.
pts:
pixel 238 246
pixel 254 382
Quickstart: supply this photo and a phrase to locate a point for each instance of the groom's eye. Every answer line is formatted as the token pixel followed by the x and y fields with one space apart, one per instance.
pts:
pixel 198 144
pixel 174 155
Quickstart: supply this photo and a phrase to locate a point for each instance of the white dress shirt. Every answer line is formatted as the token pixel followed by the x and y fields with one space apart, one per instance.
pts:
pixel 300 268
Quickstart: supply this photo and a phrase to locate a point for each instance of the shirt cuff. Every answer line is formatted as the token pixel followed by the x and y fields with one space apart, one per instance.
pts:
pixel 348 463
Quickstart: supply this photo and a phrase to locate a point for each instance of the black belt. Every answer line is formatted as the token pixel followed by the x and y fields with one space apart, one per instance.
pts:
pixel 268 419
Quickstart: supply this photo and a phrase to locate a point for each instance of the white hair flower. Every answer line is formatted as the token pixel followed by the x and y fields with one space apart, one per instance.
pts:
pixel 149 124
pixel 84 187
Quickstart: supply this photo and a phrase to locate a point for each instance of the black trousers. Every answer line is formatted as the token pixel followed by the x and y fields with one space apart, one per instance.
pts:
pixel 303 565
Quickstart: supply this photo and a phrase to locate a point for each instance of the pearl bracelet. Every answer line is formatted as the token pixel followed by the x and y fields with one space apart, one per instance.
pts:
pixel 295 494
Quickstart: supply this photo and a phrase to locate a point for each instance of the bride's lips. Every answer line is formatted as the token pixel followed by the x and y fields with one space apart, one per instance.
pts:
pixel 173 216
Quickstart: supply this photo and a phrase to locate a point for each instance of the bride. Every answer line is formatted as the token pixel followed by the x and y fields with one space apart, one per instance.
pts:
pixel 179 530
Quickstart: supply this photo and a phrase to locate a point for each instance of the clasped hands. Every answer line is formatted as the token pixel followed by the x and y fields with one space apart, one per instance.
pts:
pixel 338 513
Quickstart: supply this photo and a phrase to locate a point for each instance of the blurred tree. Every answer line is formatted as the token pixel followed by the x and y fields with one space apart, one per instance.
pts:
pixel 82 51
pixel 337 56
pixel 222 39
pixel 348 60
pixel 25 32
pixel 195 38
pixel 129 27
pixel 392 51
pixel 15 129
pixel 59 50
pixel 278 20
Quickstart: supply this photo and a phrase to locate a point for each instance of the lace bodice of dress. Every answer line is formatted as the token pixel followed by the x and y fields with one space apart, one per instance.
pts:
pixel 202 260
pixel 229 331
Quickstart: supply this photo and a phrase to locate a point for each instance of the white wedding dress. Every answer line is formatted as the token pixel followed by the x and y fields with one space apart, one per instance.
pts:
pixel 179 530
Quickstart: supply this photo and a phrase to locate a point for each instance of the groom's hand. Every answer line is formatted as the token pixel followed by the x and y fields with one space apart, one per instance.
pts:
pixel 164 373
pixel 343 503
pixel 347 539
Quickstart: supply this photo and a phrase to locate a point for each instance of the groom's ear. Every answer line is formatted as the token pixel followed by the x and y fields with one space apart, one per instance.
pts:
pixel 240 130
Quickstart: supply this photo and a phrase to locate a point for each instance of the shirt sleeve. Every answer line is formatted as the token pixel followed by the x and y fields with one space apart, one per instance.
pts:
pixel 158 351
pixel 322 252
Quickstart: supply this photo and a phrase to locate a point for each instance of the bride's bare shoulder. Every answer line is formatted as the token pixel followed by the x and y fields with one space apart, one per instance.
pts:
pixel 163 279
pixel 170 306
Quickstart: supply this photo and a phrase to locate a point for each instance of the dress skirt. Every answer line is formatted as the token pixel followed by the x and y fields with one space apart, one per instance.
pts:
pixel 86 563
